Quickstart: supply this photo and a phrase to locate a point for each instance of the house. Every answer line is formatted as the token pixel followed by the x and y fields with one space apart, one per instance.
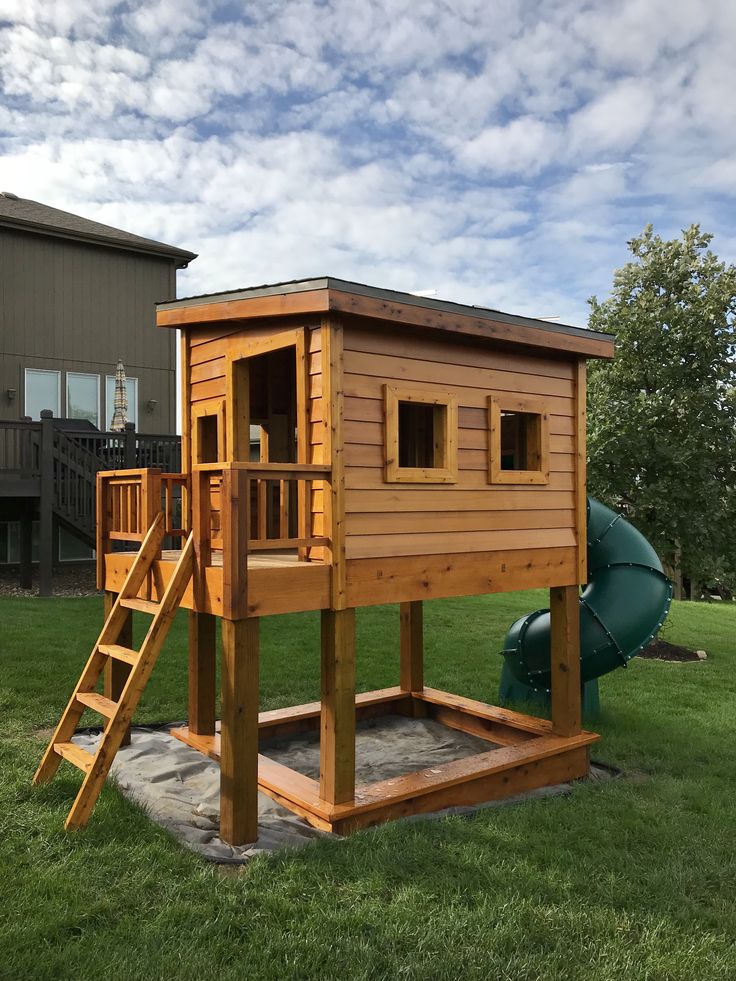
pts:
pixel 409 449
pixel 75 296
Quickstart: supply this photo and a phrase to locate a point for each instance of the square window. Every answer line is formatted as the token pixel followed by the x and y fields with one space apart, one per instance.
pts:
pixel 131 386
pixel 519 440
pixel 421 436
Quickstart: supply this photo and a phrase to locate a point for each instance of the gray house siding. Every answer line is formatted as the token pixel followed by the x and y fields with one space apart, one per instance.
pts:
pixel 72 306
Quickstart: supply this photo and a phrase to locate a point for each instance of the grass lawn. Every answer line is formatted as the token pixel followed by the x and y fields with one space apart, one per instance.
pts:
pixel 634 878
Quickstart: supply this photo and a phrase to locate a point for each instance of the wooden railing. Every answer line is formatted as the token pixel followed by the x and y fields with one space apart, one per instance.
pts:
pixel 236 508
pixel 129 500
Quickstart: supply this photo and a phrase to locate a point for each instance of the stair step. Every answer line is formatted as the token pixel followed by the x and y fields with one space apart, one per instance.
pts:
pixel 98 703
pixel 120 653
pixel 76 755
pixel 142 605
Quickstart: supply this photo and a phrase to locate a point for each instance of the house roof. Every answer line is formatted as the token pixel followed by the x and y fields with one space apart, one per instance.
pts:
pixel 32 216
pixel 327 294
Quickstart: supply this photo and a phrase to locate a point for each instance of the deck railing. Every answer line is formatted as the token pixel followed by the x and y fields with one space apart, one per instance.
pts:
pixel 236 508
pixel 230 504
pixel 127 503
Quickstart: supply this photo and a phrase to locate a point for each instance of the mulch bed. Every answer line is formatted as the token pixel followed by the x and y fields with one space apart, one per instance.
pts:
pixel 71 580
pixel 661 650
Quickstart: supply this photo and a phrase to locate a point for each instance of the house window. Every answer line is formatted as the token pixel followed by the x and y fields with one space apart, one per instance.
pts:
pixel 519 440
pixel 83 397
pixel 131 385
pixel 43 391
pixel 73 549
pixel 421 436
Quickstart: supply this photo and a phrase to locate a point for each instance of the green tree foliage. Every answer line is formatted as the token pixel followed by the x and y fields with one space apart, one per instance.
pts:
pixel 662 415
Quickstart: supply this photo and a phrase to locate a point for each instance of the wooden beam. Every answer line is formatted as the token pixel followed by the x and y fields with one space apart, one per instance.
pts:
pixel 116 672
pixel 202 673
pixel 564 604
pixel 333 450
pixel 411 617
pixel 239 734
pixel 580 469
pixel 337 729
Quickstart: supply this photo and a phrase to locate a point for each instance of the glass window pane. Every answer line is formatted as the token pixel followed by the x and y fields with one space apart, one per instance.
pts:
pixel 83 397
pixel 131 385
pixel 42 392
pixel 71 549
pixel 14 541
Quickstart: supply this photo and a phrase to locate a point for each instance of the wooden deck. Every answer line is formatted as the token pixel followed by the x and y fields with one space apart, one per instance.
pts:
pixel 277 582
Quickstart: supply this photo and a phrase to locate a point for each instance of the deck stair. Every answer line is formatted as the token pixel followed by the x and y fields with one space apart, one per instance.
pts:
pixel 118 715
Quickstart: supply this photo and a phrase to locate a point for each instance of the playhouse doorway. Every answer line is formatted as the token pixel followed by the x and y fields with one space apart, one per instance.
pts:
pixel 268 425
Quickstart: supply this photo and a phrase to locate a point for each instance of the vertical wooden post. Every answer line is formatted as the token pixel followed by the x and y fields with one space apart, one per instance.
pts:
pixel 337 721
pixel 239 735
pixel 46 506
pixel 116 672
pixel 202 673
pixel 412 646
pixel 581 499
pixel 235 523
pixel 334 494
pixel 564 605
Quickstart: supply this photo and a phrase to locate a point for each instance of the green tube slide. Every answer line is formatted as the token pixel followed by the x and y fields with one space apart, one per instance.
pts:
pixel 622 607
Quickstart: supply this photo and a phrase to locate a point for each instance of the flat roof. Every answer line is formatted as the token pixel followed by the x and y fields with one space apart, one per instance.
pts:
pixel 386 304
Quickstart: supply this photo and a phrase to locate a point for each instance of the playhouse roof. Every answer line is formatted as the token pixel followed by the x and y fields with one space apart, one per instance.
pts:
pixel 33 216
pixel 327 294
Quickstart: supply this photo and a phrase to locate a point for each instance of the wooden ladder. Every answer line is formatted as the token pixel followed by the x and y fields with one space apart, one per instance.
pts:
pixel 118 714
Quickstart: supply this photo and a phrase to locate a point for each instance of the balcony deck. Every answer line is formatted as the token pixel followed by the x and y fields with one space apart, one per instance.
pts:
pixel 276 582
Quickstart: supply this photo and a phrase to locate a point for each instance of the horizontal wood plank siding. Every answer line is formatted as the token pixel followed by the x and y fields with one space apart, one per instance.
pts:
pixel 408 533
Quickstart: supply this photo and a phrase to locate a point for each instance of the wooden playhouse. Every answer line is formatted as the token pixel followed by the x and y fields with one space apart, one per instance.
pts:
pixel 345 446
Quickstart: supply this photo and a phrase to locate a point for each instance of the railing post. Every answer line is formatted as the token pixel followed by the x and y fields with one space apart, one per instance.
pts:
pixel 46 506
pixel 129 443
pixel 102 544
pixel 234 522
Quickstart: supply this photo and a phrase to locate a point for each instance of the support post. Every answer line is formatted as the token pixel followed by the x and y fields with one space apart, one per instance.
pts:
pixel 239 735
pixel 412 646
pixel 564 604
pixel 202 674
pixel 26 548
pixel 337 717
pixel 116 672
pixel 129 441
pixel 46 506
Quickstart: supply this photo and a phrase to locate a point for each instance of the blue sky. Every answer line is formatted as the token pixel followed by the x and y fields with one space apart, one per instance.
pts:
pixel 498 153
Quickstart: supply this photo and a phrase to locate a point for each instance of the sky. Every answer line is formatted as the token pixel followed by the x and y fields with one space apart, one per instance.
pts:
pixel 495 152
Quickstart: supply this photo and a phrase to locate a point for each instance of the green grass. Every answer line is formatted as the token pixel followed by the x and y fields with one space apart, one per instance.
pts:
pixel 632 878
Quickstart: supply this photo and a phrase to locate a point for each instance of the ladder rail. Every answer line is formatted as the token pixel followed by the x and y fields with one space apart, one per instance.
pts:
pixel 116 728
pixel 74 710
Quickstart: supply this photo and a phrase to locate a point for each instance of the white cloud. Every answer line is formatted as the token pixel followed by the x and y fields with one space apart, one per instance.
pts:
pixel 501 153
pixel 523 146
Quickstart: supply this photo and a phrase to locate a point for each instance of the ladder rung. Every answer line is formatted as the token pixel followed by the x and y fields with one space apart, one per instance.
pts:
pixel 76 755
pixel 119 653
pixel 98 703
pixel 142 605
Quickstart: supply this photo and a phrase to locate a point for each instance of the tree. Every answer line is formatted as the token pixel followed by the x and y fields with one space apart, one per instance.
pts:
pixel 662 415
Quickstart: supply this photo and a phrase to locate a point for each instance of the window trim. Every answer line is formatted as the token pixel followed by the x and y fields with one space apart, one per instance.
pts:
pixel 45 371
pixel 499 403
pixel 82 374
pixel 395 474
pixel 208 410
